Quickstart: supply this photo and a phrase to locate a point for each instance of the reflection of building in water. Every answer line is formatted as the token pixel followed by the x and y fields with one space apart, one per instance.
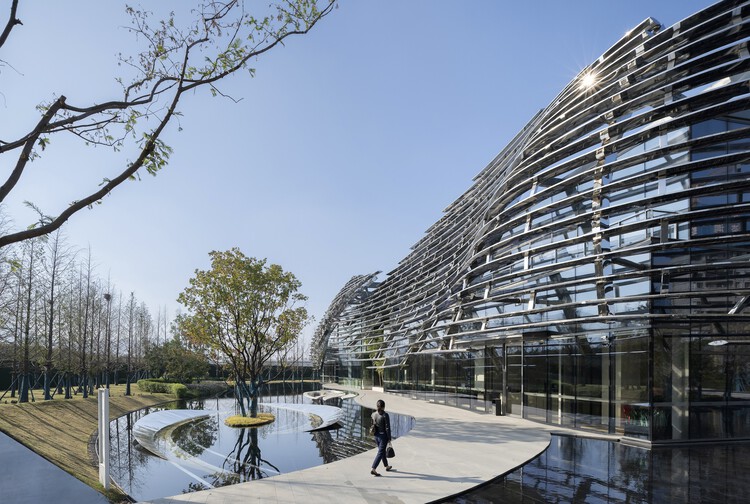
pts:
pixel 597 273
pixel 590 470
pixel 203 452
pixel 350 438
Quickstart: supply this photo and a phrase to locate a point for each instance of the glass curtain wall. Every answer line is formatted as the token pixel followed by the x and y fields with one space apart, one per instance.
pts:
pixel 605 252
pixel 582 382
pixel 460 379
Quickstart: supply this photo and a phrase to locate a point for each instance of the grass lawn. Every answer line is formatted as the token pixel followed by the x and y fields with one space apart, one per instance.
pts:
pixel 60 430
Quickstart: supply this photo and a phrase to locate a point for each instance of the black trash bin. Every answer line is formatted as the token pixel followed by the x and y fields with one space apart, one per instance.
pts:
pixel 498 406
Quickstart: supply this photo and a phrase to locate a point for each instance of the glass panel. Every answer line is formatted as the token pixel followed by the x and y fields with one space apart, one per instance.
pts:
pixel 631 385
pixel 535 380
pixel 707 389
pixel 592 384
pixel 555 359
pixel 710 127
pixel 568 381
pixel 514 373
pixel 494 376
pixel 709 151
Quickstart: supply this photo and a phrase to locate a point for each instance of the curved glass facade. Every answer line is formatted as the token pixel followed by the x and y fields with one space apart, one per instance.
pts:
pixel 597 273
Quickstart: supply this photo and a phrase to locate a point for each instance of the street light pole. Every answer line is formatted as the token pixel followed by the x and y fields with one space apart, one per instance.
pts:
pixel 108 298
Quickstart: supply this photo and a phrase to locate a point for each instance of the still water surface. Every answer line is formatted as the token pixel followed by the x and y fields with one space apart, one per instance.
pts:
pixel 218 455
pixel 571 470
pixel 581 470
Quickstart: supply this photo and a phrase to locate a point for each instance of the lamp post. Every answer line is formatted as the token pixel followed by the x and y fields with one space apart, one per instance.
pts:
pixel 103 417
pixel 108 299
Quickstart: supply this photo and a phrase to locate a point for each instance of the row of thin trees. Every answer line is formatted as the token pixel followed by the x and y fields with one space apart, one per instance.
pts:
pixel 65 329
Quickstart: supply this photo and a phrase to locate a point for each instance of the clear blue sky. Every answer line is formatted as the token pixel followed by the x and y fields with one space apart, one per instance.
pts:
pixel 345 148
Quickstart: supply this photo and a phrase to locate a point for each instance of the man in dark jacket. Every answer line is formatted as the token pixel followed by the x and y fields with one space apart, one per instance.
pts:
pixel 382 426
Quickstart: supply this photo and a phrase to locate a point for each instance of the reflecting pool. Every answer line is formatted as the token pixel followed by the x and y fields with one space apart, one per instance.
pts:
pixel 210 454
pixel 575 469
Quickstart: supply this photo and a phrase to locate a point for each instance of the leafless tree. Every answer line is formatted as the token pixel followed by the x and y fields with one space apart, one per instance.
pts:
pixel 56 260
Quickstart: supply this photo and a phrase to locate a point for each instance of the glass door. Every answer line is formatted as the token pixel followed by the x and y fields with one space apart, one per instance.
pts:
pixel 514 378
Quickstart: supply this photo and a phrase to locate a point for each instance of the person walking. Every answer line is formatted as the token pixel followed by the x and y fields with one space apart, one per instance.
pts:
pixel 381 428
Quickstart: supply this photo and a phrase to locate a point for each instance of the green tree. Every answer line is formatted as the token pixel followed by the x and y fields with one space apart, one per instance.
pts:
pixel 175 62
pixel 248 311
pixel 184 364
pixel 175 361
pixel 156 361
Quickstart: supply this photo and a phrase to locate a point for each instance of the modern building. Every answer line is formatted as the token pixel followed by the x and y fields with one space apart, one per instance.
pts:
pixel 597 273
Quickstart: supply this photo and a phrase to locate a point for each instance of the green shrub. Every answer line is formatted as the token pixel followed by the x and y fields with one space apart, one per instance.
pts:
pixel 208 388
pixel 153 386
pixel 191 391
pixel 157 386
pixel 180 390
pixel 161 386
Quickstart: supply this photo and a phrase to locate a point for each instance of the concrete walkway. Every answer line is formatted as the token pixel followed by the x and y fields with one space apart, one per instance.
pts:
pixel 449 451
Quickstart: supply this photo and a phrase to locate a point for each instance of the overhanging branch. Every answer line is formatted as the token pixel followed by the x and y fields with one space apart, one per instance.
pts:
pixel 12 22
pixel 15 175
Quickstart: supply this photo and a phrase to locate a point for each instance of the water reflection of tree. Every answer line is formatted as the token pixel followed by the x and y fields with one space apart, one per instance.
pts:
pixel 585 470
pixel 631 472
pixel 136 469
pixel 325 444
pixel 244 461
pixel 195 486
pixel 126 454
pixel 195 437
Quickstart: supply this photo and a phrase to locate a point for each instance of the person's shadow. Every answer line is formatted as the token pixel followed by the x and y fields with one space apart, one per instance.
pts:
pixel 431 477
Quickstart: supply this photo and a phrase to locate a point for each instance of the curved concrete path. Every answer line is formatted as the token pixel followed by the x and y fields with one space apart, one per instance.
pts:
pixel 449 451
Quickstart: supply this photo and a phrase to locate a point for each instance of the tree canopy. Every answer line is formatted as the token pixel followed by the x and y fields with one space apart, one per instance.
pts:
pixel 248 311
pixel 223 38
pixel 175 361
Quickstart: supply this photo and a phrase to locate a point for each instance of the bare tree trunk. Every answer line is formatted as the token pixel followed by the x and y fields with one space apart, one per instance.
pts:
pixel 131 323
pixel 158 325
pixel 84 368
pixel 69 368
pixel 15 365
pixel 25 371
pixel 54 260
pixel 165 323
pixel 117 345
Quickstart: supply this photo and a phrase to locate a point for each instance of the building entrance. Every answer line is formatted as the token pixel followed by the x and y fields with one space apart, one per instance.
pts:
pixel 514 378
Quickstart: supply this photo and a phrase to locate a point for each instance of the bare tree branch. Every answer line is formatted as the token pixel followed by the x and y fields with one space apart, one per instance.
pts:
pixel 12 22
pixel 28 146
pixel 224 38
